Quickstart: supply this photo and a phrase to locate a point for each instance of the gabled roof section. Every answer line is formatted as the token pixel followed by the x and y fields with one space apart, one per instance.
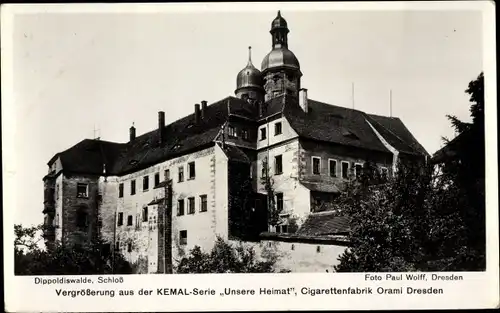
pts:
pixel 273 106
pixel 181 136
pixel 330 123
pixel 324 224
pixel 91 156
pixel 396 134
pixel 235 154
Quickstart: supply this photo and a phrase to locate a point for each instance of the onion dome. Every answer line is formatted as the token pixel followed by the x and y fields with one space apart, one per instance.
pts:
pixel 280 57
pixel 249 76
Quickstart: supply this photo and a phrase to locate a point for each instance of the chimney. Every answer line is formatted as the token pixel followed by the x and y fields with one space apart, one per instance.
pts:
pixel 203 109
pixel 197 113
pixel 161 127
pixel 132 132
pixel 303 99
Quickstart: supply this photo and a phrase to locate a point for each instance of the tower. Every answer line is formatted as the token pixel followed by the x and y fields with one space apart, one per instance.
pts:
pixel 249 82
pixel 280 67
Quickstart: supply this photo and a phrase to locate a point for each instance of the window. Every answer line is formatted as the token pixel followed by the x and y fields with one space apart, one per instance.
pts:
pixel 191 207
pixel 358 169
pixel 145 214
pixel 231 131
pixel 129 220
pixel 57 191
pixel 263 133
pixel 293 247
pixel 244 134
pixel 191 170
pixel 120 190
pixel 203 203
pixel 278 165
pixel 318 249
pixel 183 237
pixel 167 174
pixel 145 183
pixel 117 245
pixel 81 219
pixel 120 219
pixel 279 201
pixel 132 187
pixel 345 169
pixel 129 247
pixel 180 207
pixel 277 129
pixel 181 174
pixel 316 163
pixel 332 167
pixel 157 179
pixel 82 190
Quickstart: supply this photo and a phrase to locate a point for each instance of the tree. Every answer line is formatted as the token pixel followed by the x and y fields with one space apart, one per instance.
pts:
pixel 465 171
pixel 273 212
pixel 225 258
pixel 71 259
pixel 422 219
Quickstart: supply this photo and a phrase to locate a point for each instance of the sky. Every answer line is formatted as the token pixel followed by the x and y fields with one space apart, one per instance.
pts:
pixel 80 74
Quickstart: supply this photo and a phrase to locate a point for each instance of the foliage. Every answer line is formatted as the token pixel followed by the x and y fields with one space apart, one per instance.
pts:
pixel 273 212
pixel 86 258
pixel 426 217
pixel 225 258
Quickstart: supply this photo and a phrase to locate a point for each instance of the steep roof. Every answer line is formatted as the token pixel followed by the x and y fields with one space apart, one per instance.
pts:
pixel 324 224
pixel 396 134
pixel 182 136
pixel 324 122
pixel 330 123
pixel 89 156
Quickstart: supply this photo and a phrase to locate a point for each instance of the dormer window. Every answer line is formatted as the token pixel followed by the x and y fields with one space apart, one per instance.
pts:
pixel 348 133
pixel 231 132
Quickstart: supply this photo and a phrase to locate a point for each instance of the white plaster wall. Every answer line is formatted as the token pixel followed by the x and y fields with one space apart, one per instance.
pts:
pixel 302 201
pixel 202 227
pixel 304 257
pixel 221 193
pixel 296 198
pixel 287 133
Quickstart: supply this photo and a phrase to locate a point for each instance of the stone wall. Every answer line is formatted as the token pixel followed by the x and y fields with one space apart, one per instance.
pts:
pixel 71 204
pixel 299 257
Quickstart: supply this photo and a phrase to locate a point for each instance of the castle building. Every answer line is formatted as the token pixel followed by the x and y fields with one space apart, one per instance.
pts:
pixel 208 174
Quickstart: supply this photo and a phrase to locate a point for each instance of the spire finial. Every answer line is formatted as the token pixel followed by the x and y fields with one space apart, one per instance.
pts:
pixel 279 13
pixel 249 54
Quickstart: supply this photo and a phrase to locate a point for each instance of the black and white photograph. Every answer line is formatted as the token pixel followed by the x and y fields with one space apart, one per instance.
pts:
pixel 274 140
